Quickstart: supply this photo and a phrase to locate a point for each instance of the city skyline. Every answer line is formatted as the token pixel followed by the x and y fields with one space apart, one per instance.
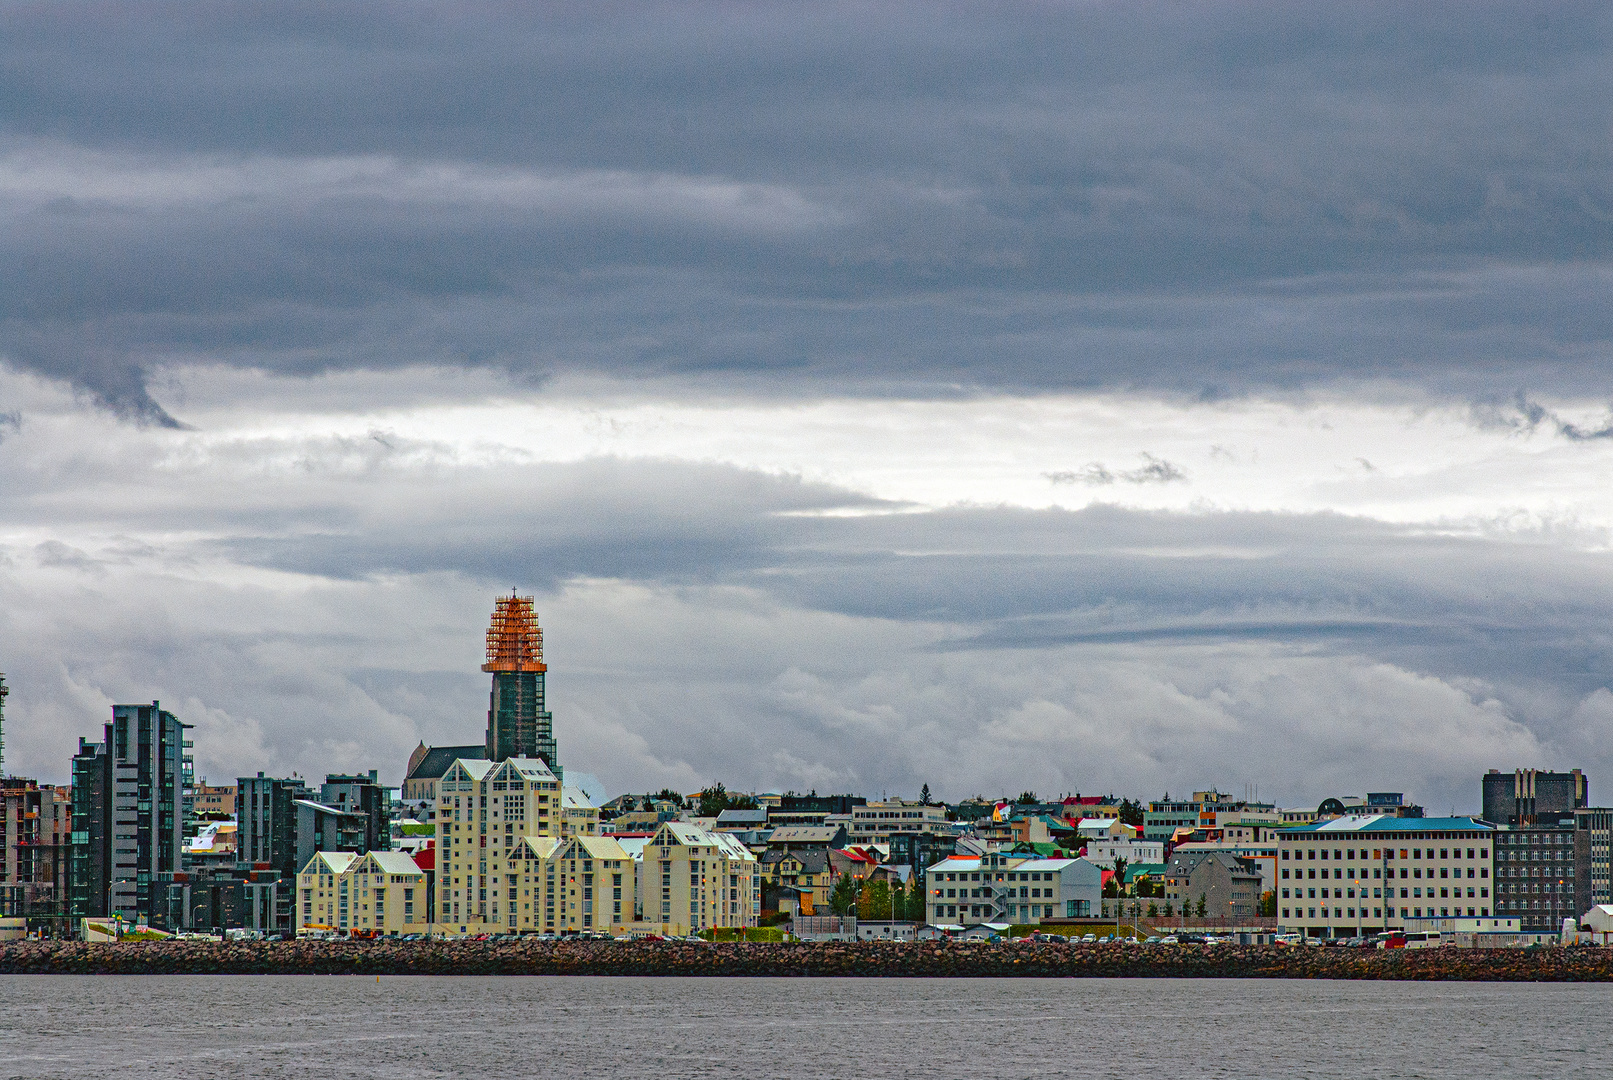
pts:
pixel 1098 397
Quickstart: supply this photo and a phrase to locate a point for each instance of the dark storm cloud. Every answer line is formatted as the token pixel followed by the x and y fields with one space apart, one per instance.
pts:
pixel 1204 200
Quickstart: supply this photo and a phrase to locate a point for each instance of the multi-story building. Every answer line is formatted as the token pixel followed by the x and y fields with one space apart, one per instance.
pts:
pixel 266 817
pixel 1358 875
pixel 281 825
pixel 484 809
pixel 518 722
pixel 35 838
pixel 578 816
pixel 1253 842
pixel 1593 853
pixel 1229 886
pixel 811 809
pixel 1535 880
pixel 1002 887
pixel 691 879
pixel 920 850
pixel 1104 852
pixel 1527 796
pixel 1204 810
pixel 877 822
pixel 130 799
pixel 379 892
pixel 803 880
pixel 214 801
pixel 360 794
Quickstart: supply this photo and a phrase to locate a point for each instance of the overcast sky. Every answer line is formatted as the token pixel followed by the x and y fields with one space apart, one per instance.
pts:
pixel 1076 397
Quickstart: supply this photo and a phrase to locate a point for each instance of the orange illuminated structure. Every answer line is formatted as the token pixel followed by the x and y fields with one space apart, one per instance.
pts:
pixel 517 724
pixel 514 640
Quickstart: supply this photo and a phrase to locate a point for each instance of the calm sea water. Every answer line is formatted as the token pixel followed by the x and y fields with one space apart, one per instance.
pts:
pixel 199 1027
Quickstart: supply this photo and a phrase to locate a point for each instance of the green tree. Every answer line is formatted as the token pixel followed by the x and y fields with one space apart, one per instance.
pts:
pixel 1169 911
pixel 924 795
pixel 712 801
pixel 1131 812
pixel 1027 797
pixel 1120 873
pixel 915 899
pixel 1203 907
pixel 1268 904
pixel 1153 910
pixel 666 794
pixel 743 802
pixel 874 901
pixel 844 896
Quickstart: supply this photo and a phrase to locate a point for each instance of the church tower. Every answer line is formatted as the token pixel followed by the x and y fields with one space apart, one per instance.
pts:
pixel 517 723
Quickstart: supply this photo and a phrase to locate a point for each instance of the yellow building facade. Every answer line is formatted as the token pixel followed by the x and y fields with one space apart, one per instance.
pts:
pixel 379 892
pixel 485 809
pixel 691 879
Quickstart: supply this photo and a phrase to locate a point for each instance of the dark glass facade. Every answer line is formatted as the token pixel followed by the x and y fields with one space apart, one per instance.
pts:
pixel 130 796
pixel 518 725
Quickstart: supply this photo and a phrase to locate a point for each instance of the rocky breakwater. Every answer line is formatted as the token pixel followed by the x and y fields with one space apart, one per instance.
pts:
pixel 857 959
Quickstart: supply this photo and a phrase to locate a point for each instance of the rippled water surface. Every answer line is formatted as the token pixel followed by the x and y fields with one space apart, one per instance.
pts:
pixel 354 1027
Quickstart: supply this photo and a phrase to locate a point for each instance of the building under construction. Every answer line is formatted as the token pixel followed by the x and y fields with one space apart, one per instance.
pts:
pixel 518 725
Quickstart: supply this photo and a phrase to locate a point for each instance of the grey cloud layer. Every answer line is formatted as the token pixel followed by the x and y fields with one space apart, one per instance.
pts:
pixel 712 623
pixel 876 200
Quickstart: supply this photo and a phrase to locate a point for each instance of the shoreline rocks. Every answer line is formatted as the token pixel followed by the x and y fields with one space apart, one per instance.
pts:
pixel 819 960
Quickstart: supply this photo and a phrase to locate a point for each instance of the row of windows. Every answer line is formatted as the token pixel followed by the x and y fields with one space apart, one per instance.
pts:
pixel 1380 872
pixel 1377 913
pixel 1381 854
pixel 1415 891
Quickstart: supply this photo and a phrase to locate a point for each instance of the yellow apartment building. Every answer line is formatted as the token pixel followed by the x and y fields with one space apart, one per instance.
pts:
pixel 691 879
pixel 381 892
pixel 484 810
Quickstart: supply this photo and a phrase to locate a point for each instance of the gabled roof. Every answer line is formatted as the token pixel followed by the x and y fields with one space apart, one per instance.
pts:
pixel 469 768
pixel 813 860
pixel 592 847
pixel 329 862
pixel 439 758
pixel 394 862
pixel 588 784
pixel 528 769
pixel 1189 863
pixel 534 847
pixel 575 798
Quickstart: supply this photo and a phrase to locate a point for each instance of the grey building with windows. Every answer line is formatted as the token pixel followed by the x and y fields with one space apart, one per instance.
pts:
pixel 131 793
pixel 1593 838
pixel 282 825
pixel 1230 886
pixel 363 795
pixel 1532 796
pixel 1536 875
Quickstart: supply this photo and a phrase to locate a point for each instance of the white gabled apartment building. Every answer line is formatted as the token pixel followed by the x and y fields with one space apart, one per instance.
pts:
pixel 692 879
pixel 1359 875
pixel 1002 888
pixel 578 884
pixel 484 810
pixel 379 892
pixel 514 856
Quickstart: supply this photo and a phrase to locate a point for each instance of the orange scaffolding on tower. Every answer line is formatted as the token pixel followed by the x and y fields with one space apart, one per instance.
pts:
pixel 514 640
